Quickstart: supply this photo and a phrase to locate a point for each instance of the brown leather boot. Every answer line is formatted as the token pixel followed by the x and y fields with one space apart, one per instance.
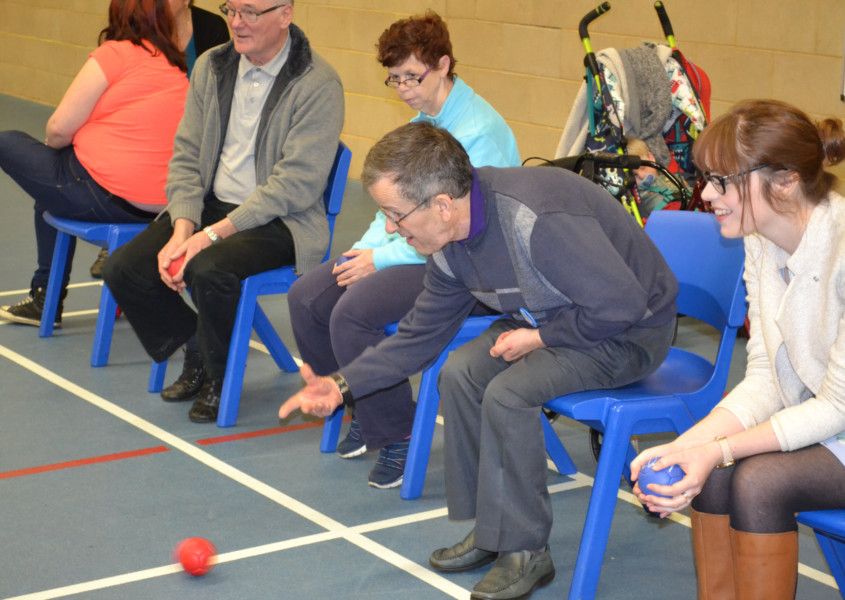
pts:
pixel 766 565
pixel 711 547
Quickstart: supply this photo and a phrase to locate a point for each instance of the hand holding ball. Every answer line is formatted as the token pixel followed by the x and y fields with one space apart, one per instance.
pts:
pixel 341 259
pixel 196 555
pixel 175 265
pixel 666 476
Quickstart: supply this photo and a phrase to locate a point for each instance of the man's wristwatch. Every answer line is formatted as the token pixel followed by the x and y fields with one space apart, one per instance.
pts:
pixel 343 386
pixel 727 454
pixel 212 235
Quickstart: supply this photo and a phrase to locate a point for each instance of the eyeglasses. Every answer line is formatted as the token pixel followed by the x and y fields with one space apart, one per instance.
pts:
pixel 397 219
pixel 720 182
pixel 247 15
pixel 408 82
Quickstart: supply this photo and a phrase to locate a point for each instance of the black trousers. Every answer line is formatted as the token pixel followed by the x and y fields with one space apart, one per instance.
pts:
pixel 161 318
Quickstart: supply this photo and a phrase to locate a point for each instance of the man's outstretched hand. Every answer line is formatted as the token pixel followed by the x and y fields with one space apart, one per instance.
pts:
pixel 319 397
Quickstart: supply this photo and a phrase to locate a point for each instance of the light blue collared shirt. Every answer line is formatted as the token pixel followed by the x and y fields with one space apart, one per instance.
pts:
pixel 235 178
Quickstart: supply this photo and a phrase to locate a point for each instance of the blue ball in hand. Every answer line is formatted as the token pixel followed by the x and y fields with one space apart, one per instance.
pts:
pixel 341 259
pixel 666 476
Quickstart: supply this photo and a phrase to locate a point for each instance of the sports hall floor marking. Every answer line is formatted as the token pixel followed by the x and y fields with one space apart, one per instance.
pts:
pixel 83 462
pixel 412 568
pixel 70 286
pixel 303 510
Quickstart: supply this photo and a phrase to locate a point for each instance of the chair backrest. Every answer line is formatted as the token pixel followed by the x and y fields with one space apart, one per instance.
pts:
pixel 335 187
pixel 707 266
pixel 709 271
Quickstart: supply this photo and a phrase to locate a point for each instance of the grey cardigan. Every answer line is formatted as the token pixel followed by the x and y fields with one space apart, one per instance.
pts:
pixel 296 144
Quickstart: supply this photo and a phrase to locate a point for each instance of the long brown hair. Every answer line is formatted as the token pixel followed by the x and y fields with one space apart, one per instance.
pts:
pixel 139 20
pixel 777 134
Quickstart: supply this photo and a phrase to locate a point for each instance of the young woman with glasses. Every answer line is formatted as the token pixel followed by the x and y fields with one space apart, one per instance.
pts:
pixel 338 311
pixel 775 445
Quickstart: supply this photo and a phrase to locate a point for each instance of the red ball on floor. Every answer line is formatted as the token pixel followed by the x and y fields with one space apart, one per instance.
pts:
pixel 196 555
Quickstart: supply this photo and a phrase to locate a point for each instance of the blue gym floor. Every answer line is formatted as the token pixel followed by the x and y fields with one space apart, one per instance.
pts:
pixel 99 480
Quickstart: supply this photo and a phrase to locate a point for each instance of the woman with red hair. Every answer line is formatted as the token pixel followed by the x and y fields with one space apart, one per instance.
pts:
pixel 109 141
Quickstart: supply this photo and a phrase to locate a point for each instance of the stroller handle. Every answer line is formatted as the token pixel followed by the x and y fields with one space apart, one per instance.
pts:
pixel 590 17
pixel 665 23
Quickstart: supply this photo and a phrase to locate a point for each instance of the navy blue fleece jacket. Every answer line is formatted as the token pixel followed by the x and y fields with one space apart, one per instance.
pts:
pixel 553 243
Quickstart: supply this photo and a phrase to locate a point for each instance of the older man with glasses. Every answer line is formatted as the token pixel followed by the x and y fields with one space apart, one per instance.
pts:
pixel 338 311
pixel 587 300
pixel 251 159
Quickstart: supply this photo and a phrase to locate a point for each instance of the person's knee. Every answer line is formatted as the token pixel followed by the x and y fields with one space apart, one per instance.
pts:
pixel 351 314
pixel 116 267
pixel 202 276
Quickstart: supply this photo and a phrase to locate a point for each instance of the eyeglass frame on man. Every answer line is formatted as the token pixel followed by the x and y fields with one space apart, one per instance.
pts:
pixel 396 83
pixel 396 222
pixel 230 13
pixel 720 182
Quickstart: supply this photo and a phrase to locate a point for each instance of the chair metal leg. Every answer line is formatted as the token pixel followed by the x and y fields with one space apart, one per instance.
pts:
pixel 600 509
pixel 834 552
pixel 230 395
pixel 555 449
pixel 64 243
pixel 156 381
pixel 422 432
pixel 105 326
pixel 277 349
pixel 331 431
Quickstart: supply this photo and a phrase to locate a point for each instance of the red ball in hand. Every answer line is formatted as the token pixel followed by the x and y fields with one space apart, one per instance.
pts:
pixel 175 265
pixel 196 555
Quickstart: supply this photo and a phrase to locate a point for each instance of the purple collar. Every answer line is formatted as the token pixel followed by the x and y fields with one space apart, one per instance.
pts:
pixel 476 209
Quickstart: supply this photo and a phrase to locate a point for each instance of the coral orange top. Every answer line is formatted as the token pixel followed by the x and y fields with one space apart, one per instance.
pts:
pixel 127 142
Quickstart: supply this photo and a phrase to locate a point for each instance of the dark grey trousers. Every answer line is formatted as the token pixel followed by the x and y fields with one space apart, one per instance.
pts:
pixel 333 325
pixel 494 450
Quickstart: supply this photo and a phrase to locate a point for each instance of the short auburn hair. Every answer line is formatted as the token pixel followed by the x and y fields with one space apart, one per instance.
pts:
pixel 424 36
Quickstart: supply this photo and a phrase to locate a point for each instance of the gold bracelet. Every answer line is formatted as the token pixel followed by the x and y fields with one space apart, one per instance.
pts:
pixel 727 454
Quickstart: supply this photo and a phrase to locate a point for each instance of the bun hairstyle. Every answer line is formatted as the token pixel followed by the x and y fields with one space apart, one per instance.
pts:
pixel 777 134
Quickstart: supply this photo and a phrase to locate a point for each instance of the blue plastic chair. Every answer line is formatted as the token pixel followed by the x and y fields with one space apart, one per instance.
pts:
pixel 425 417
pixel 829 526
pixel 250 315
pixel 683 389
pixel 108 235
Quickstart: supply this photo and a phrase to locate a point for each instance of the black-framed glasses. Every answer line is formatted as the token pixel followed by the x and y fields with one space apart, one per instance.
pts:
pixel 409 82
pixel 397 219
pixel 247 15
pixel 720 182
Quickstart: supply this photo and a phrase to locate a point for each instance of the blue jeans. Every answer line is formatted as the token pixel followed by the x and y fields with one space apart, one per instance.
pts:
pixel 59 184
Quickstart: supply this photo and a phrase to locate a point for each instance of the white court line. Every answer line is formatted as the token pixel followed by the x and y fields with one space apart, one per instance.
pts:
pixel 579 480
pixel 257 486
pixel 71 286
pixel 72 313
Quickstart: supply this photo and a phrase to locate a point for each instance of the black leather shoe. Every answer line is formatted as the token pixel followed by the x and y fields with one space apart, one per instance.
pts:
pixel 515 575
pixel 463 556
pixel 189 382
pixel 204 409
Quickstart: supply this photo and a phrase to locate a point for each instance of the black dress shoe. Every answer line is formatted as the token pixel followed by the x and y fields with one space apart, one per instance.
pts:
pixel 463 556
pixel 515 575
pixel 204 409
pixel 189 382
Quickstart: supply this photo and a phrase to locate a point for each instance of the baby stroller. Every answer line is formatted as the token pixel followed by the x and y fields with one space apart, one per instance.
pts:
pixel 652 93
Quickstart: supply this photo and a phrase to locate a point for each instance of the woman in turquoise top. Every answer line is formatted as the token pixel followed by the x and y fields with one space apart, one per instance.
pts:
pixel 338 310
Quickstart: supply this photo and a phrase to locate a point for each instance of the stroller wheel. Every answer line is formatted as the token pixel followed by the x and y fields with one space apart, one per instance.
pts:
pixel 595 443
